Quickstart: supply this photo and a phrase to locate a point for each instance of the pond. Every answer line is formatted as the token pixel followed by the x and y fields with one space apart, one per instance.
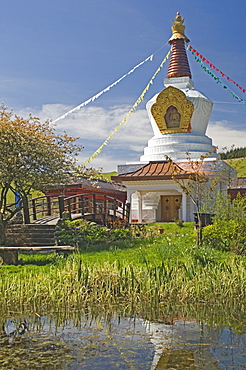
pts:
pixel 111 341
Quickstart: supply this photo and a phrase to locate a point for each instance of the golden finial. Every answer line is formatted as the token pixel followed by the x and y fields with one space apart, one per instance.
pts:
pixel 178 28
pixel 179 20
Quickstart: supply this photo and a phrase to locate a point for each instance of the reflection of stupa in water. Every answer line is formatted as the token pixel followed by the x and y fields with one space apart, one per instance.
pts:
pixel 180 346
pixel 179 117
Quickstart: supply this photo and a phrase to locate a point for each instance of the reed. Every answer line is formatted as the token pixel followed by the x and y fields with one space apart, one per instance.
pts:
pixel 138 288
pixel 153 273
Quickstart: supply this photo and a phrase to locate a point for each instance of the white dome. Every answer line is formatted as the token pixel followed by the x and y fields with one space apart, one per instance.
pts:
pixel 176 145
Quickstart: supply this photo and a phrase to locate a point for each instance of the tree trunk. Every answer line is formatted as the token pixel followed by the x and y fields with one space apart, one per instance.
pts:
pixel 25 210
pixel 199 231
pixel 199 236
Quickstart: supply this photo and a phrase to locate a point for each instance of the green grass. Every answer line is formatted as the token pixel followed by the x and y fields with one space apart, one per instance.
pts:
pixel 239 164
pixel 34 194
pixel 108 175
pixel 140 275
pixel 175 245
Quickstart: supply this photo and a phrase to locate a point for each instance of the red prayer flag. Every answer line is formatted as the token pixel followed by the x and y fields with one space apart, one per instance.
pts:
pixel 217 69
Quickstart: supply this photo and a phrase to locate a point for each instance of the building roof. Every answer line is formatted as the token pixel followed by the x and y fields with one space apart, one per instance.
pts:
pixel 154 170
pixel 86 185
pixel 238 183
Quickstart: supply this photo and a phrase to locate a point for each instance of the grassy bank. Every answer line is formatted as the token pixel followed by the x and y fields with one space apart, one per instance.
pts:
pixel 239 164
pixel 140 275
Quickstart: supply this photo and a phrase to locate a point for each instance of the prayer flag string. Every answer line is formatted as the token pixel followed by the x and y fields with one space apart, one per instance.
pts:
pixel 206 69
pixel 134 107
pixel 200 56
pixel 103 91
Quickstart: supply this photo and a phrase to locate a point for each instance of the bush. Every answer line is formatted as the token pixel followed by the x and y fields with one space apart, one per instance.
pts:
pixel 226 235
pixel 82 234
pixel 179 222
pixel 120 234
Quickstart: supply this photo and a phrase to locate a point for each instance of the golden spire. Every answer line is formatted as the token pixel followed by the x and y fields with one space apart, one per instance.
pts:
pixel 178 29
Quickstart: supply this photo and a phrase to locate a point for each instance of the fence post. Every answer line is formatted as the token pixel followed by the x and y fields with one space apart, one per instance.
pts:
pixel 48 205
pixel 105 211
pixel 128 208
pixel 34 214
pixel 115 207
pixel 69 208
pixel 61 205
pixel 94 206
pixel 81 205
pixel 123 210
pixel 26 210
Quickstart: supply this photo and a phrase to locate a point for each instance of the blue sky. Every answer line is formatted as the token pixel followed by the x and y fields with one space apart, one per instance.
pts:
pixel 58 53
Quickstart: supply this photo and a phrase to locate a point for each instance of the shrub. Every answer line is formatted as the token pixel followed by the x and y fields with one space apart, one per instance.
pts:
pixel 226 235
pixel 119 234
pixel 83 233
pixel 179 222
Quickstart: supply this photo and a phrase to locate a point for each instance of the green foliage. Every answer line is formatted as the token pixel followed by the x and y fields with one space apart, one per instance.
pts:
pixel 222 207
pixel 198 181
pixel 228 232
pixel 217 204
pixel 117 234
pixel 86 235
pixel 226 235
pixel 234 153
pixel 32 156
pixel 179 222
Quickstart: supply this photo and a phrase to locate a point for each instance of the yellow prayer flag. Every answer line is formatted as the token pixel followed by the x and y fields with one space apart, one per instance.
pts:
pixel 134 107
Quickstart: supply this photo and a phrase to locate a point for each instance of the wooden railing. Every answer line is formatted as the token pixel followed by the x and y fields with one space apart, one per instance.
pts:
pixel 40 207
pixel 96 207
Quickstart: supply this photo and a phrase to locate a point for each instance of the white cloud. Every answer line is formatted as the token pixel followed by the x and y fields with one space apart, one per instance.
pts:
pixel 225 136
pixel 94 124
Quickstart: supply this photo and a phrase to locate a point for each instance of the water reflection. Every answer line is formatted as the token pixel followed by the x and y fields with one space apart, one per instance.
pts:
pixel 91 341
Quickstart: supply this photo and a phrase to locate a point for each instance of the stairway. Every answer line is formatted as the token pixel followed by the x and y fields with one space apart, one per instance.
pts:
pixel 31 235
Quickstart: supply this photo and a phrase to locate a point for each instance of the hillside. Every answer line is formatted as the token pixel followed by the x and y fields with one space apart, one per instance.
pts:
pixel 109 174
pixel 239 164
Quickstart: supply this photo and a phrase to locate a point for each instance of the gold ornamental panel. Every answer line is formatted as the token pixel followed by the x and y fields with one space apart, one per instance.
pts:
pixel 172 111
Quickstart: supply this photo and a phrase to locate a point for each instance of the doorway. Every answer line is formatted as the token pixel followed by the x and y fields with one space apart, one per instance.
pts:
pixel 170 205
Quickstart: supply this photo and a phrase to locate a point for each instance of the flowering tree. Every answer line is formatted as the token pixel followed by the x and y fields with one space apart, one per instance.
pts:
pixel 199 181
pixel 32 155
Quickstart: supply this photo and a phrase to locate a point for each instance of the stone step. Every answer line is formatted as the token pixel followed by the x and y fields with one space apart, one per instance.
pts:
pixel 31 234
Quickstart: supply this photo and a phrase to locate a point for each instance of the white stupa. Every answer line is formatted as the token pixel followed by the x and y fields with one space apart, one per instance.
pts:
pixel 179 117
pixel 179 114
